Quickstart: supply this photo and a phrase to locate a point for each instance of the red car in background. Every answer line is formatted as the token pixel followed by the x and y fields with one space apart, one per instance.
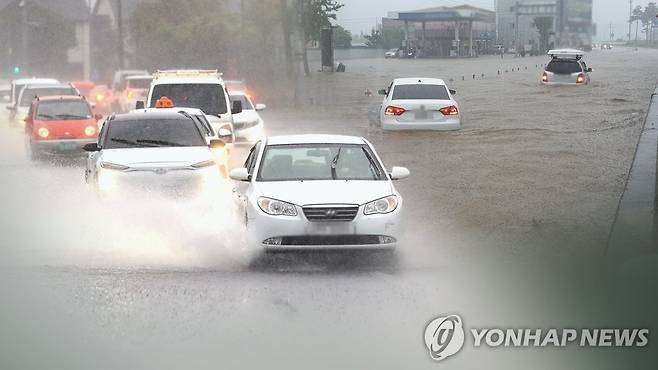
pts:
pixel 101 97
pixel 60 125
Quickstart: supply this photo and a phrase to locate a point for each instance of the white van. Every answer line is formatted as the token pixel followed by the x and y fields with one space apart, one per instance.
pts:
pixel 201 89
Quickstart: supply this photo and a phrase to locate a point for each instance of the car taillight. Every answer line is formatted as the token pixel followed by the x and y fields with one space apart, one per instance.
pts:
pixel 43 132
pixel 580 79
pixel 100 97
pixel 544 78
pixel 130 94
pixel 394 111
pixel 90 131
pixel 449 111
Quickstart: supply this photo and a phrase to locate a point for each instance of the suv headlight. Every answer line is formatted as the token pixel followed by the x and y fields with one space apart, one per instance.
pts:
pixel 381 206
pixel 276 207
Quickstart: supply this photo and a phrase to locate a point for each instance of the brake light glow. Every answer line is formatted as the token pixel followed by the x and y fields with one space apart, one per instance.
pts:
pixel 544 78
pixel 100 97
pixel 394 111
pixel 449 111
pixel 580 79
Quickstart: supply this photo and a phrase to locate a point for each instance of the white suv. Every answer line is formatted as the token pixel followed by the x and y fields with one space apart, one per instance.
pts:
pixel 201 89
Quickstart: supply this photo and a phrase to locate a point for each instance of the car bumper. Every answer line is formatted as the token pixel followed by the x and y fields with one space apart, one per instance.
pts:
pixel 283 233
pixel 449 124
pixel 71 146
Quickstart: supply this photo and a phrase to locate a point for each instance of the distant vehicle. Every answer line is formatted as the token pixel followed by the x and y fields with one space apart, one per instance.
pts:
pixel 606 46
pixel 85 88
pixel 119 85
pixel 163 151
pixel 248 124
pixel 419 104
pixel 19 84
pixel 101 97
pixel 201 89
pixel 137 88
pixel 318 192
pixel 566 67
pixel 30 92
pixel 392 53
pixel 240 86
pixel 59 125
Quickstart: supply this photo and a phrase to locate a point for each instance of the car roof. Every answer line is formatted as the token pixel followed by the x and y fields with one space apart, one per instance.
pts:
pixel 314 139
pixel 47 86
pixel 418 80
pixel 139 77
pixel 62 97
pixel 23 81
pixel 191 111
pixel 136 116
pixel 567 54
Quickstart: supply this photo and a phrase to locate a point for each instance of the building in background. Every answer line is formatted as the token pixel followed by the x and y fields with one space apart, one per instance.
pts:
pixel 458 31
pixel 569 23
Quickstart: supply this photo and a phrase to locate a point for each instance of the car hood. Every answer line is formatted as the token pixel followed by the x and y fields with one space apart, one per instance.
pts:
pixel 157 157
pixel 304 193
pixel 248 115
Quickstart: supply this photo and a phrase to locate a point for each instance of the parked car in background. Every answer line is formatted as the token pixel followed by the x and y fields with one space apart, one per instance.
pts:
pixel 392 53
pixel 59 125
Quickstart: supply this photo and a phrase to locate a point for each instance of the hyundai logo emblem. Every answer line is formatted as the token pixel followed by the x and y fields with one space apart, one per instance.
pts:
pixel 330 213
pixel 160 171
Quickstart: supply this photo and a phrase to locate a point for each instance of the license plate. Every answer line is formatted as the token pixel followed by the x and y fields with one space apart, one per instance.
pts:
pixel 330 228
pixel 67 146
pixel 421 114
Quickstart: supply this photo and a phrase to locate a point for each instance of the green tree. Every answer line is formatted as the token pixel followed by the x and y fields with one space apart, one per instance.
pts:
pixel 375 39
pixel 648 15
pixel 544 26
pixel 343 38
pixel 636 17
pixel 315 15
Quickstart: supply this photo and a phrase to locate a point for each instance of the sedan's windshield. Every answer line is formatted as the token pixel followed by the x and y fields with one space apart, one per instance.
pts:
pixel 63 110
pixel 29 94
pixel 152 133
pixel 420 92
pixel 209 98
pixel 319 162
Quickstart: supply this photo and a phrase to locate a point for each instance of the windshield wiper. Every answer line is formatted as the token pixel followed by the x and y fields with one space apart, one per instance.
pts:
pixel 130 142
pixel 334 163
pixel 71 116
pixel 160 143
pixel 45 116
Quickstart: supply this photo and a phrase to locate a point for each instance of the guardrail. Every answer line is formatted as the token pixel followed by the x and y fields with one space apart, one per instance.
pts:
pixel 634 235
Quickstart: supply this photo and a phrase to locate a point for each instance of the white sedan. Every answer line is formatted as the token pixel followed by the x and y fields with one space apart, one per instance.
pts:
pixel 162 151
pixel 318 191
pixel 419 104
pixel 248 124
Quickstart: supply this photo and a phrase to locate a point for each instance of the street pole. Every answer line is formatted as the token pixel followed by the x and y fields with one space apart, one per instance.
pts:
pixel 120 31
pixel 25 53
pixel 630 19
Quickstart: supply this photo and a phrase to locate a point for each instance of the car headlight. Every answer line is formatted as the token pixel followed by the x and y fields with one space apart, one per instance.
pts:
pixel 112 166
pixel 90 131
pixel 381 206
pixel 276 207
pixel 43 132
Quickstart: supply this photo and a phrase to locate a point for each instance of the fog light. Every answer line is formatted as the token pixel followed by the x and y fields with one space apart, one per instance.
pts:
pixel 273 241
pixel 386 239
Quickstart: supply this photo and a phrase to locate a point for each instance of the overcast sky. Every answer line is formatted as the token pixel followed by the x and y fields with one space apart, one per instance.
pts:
pixel 361 15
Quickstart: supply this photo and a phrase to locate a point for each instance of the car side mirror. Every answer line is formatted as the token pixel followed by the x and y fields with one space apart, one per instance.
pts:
pixel 237 107
pixel 260 107
pixel 240 174
pixel 91 147
pixel 399 173
pixel 225 134
pixel 27 119
pixel 382 92
pixel 98 117
pixel 139 104
pixel 217 144
pixel 453 92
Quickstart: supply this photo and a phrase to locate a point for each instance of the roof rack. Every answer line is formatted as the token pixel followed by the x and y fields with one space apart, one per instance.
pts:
pixel 566 53
pixel 187 73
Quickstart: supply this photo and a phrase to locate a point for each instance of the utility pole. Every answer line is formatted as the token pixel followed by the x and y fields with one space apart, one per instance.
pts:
pixel 24 26
pixel 120 32
pixel 630 19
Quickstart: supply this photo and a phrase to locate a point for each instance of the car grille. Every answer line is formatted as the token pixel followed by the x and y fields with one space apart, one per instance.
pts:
pixel 329 240
pixel 323 214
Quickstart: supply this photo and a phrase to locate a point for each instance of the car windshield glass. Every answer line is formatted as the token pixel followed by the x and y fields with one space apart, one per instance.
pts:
pixel 563 67
pixel 63 110
pixel 246 105
pixel 30 93
pixel 139 83
pixel 153 133
pixel 420 92
pixel 209 98
pixel 319 162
